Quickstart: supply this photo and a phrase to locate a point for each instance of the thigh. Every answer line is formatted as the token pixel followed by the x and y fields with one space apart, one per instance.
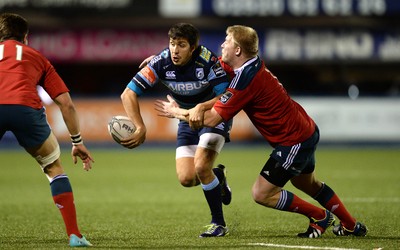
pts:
pixel 185 168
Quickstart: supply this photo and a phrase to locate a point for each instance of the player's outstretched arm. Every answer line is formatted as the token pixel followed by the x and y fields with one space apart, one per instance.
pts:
pixel 130 101
pixel 70 116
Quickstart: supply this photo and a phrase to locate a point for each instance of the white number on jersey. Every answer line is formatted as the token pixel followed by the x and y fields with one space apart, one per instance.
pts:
pixel 18 55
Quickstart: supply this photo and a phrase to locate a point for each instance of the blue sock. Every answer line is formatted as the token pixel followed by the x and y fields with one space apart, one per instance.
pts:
pixel 212 192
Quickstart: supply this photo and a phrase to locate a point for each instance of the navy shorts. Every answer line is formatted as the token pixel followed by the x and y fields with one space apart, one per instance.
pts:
pixel 29 125
pixel 187 136
pixel 288 161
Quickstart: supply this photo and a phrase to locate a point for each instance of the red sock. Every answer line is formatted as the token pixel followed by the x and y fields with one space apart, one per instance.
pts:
pixel 292 203
pixel 65 202
pixel 329 200
pixel 336 206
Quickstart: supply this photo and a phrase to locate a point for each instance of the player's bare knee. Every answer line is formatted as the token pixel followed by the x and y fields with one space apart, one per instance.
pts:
pixel 53 169
pixel 187 181
pixel 258 197
pixel 262 196
pixel 49 159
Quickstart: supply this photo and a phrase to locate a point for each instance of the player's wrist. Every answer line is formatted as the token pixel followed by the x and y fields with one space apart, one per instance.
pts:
pixel 76 139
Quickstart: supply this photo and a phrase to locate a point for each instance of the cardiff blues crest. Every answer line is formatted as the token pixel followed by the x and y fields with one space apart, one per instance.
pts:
pixel 199 73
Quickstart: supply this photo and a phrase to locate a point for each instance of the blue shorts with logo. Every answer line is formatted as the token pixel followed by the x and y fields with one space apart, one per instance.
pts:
pixel 29 125
pixel 288 161
pixel 187 136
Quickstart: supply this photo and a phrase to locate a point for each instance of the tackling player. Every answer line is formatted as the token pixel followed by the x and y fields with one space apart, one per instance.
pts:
pixel 285 125
pixel 22 69
pixel 195 79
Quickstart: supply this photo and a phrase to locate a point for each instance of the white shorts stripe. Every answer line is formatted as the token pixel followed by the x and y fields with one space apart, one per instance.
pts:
pixel 292 154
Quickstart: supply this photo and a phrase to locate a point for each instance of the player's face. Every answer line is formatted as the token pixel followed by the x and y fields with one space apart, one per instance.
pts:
pixel 229 49
pixel 181 51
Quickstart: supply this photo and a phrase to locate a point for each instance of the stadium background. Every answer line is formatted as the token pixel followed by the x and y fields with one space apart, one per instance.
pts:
pixel 339 58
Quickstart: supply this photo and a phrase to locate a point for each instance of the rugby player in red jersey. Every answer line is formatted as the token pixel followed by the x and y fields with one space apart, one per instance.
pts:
pixel 22 69
pixel 284 124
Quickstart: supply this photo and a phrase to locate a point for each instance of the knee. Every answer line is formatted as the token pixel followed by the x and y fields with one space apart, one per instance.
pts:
pixel 260 197
pixel 188 181
pixel 257 197
pixel 53 169
pixel 266 195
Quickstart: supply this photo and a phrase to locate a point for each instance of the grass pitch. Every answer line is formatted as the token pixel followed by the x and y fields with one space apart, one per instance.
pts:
pixel 132 200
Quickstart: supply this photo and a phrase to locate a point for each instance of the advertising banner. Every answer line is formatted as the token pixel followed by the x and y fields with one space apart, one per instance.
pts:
pixel 339 119
pixel 104 45
pixel 300 8
pixel 276 45
pixel 218 8
pixel 94 115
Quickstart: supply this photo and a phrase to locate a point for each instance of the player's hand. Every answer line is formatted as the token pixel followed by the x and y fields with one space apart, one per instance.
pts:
pixel 196 116
pixel 170 109
pixel 196 124
pixel 146 61
pixel 80 150
pixel 135 140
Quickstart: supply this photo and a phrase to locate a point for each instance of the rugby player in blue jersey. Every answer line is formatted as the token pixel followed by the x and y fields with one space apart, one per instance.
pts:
pixel 195 80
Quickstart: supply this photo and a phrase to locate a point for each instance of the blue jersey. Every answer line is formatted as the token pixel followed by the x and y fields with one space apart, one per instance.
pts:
pixel 200 80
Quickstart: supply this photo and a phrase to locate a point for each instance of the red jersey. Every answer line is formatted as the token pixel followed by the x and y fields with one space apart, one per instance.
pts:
pixel 256 91
pixel 21 69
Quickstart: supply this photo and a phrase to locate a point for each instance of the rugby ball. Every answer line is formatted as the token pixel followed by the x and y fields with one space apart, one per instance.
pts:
pixel 120 127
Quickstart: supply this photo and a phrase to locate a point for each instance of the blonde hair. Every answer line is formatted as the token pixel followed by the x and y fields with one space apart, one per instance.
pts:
pixel 245 37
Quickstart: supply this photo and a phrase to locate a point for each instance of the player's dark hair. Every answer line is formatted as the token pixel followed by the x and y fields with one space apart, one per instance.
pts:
pixel 185 30
pixel 13 26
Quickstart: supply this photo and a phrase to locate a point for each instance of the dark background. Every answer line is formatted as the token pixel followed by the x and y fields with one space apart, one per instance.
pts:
pixel 372 77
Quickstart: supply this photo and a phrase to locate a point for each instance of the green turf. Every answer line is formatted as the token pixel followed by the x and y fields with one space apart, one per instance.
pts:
pixel 132 200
